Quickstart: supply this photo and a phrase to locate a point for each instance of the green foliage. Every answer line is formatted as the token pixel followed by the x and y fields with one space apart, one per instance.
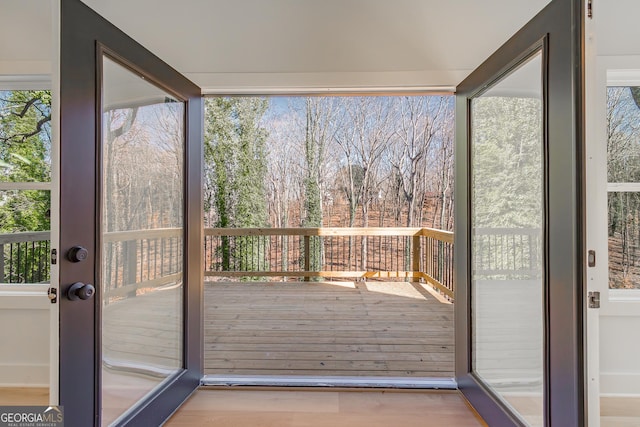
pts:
pixel 235 169
pixel 507 178
pixel 312 218
pixel 507 162
pixel 635 94
pixel 25 136
pixel 25 145
pixel 312 203
pixel 26 210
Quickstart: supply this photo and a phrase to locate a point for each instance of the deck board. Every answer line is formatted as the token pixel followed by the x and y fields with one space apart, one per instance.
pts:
pixel 393 329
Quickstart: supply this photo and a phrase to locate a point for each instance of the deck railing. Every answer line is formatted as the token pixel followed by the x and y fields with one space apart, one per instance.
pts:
pixel 411 253
pixel 24 257
pixel 150 258
pixel 139 260
pixel 507 253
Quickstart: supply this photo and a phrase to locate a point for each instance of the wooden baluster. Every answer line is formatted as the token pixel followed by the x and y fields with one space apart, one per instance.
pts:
pixel 415 257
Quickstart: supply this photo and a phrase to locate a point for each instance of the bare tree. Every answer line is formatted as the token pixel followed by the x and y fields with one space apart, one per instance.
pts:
pixel 623 165
pixel 363 137
pixel 440 181
pixel 420 123
pixel 284 170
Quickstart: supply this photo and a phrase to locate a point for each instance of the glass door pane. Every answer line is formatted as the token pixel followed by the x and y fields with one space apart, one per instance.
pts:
pixel 507 218
pixel 142 225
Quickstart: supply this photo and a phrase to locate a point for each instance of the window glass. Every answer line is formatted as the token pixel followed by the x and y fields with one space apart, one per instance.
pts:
pixel 623 174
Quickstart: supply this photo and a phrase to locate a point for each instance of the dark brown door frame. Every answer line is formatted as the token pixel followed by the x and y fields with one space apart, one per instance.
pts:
pixel 82 33
pixel 560 26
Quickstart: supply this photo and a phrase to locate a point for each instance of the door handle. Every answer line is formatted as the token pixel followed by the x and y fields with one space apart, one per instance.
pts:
pixel 80 291
pixel 77 254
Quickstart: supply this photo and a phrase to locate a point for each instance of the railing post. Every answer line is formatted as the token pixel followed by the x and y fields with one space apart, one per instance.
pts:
pixel 415 255
pixel 284 255
pixel 132 262
pixel 307 256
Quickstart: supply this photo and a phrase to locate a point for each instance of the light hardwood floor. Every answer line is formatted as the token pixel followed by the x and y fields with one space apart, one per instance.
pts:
pixel 311 407
pixel 323 408
pixel 393 329
pixel 23 396
pixel 619 411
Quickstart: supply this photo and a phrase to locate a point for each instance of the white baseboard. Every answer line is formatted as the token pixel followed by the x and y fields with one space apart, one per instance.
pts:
pixel 619 384
pixel 16 375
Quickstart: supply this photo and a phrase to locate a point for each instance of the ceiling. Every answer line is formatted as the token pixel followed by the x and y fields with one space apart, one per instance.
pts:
pixel 262 45
pixel 25 37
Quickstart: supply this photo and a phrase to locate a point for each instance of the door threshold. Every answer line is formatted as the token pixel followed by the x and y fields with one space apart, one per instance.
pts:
pixel 431 383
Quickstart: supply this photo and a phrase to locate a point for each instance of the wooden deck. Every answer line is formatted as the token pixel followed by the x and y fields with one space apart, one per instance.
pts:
pixel 373 329
pixel 385 329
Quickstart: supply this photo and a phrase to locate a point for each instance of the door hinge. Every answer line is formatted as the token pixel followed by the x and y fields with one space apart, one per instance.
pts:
pixel 52 293
pixel 590 9
pixel 594 299
pixel 54 256
pixel 591 258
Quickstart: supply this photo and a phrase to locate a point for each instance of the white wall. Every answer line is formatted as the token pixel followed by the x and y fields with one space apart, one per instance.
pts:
pixel 620 355
pixel 24 336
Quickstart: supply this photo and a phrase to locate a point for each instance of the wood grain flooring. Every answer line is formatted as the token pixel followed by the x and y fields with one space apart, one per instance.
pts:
pixel 393 329
pixel 298 407
pixel 322 408
pixel 619 411
pixel 24 396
